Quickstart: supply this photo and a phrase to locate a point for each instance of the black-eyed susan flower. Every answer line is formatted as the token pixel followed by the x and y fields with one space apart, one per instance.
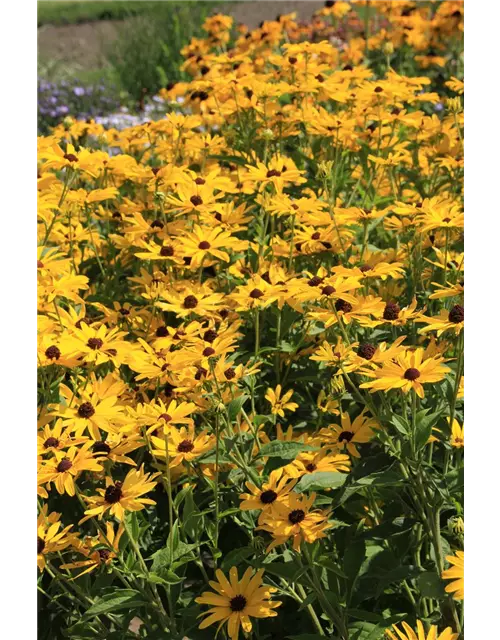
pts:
pixel 297 520
pixel 409 371
pixel 348 434
pixel 457 434
pixel 456 574
pixel 122 496
pixel 184 445
pixel 269 495
pixel 50 537
pixel 98 551
pixel 279 403
pixel 311 462
pixel 405 632
pixel 65 467
pixel 236 601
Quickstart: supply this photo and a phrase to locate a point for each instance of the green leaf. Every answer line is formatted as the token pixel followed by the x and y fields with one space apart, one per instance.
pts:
pixel 307 636
pixel 234 407
pixel 430 585
pixel 321 480
pixel 236 556
pixel 120 599
pixel 289 570
pixel 285 450
pixel 367 616
pixel 424 427
pixel 232 159
pixel 354 557
pixel 401 425
pixel 365 631
pixel 381 478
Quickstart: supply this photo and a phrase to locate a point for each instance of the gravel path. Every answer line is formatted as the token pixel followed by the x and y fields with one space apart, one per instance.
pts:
pixel 81 46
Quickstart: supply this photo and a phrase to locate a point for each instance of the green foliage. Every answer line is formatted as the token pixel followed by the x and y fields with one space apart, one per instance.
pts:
pixel 60 13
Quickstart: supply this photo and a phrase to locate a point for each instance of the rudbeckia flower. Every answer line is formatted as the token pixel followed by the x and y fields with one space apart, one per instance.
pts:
pixel 297 520
pixel 280 404
pixel 120 497
pixel 236 601
pixel 407 633
pixel 269 495
pixel 456 574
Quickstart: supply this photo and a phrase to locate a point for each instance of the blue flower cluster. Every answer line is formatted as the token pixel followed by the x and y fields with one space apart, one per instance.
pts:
pixel 56 100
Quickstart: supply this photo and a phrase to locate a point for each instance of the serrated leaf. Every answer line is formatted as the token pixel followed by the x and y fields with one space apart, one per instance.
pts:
pixel 321 480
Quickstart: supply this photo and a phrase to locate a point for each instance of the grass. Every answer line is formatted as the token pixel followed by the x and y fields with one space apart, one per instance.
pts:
pixel 63 12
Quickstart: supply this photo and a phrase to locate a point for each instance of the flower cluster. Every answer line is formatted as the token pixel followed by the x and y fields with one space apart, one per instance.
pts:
pixel 250 339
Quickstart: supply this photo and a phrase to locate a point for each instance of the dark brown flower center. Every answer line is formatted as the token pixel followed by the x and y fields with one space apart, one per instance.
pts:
pixel 51 442
pixel 256 293
pixel 328 290
pixel 296 516
pixel 113 493
pixel 201 372
pixel 39 264
pixel 238 603
pixel 268 497
pixel 166 417
pixel 124 312
pixel 273 173
pixel 157 224
pixel 366 350
pixel 167 252
pixel 70 157
pixel 342 305
pixel 190 302
pixel 86 410
pixel 53 353
pixel 162 332
pixel 104 554
pixel 456 314
pixel 196 200
pixel 391 311
pixel 204 245
pixel 229 373
pixel 185 446
pixel 95 343
pixel 364 268
pixel 411 374
pixel 101 447
pixel 315 281
pixel 346 436
pixel 210 335
pixel 208 351
pixel 64 465
pixel 311 467
pixel 200 181
pixel 316 235
pixel 40 545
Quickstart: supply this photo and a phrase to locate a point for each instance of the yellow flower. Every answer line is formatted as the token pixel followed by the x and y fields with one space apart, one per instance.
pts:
pixel 280 404
pixel 236 601
pixel 183 445
pixel 407 633
pixel 297 520
pixel 269 495
pixel 347 435
pixel 409 371
pixel 119 497
pixel 457 434
pixel 455 573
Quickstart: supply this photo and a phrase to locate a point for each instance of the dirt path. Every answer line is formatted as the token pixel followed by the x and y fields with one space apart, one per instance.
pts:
pixel 81 46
